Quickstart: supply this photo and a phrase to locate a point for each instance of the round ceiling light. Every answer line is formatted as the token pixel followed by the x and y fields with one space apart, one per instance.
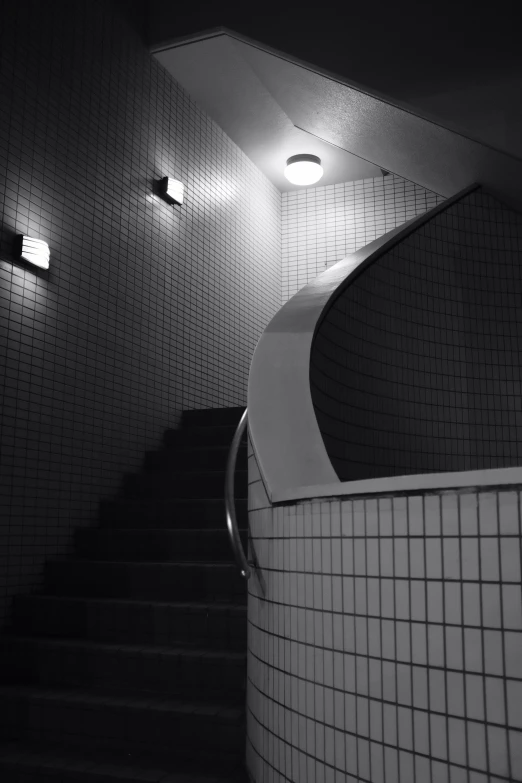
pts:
pixel 303 169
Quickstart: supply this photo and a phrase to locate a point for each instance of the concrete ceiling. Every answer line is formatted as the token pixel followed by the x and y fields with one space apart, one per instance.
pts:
pixel 457 64
pixel 273 106
pixel 221 76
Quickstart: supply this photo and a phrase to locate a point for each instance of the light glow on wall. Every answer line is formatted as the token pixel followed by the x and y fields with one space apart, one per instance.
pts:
pixel 303 169
pixel 34 251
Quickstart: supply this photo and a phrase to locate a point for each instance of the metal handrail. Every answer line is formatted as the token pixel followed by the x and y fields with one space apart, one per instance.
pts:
pixel 230 506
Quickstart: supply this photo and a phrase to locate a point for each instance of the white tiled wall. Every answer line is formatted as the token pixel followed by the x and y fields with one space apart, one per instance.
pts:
pixel 388 646
pixel 146 308
pixel 324 224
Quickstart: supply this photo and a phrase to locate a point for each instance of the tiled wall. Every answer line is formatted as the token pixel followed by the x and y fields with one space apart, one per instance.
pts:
pixel 147 308
pixel 388 646
pixel 416 368
pixel 324 224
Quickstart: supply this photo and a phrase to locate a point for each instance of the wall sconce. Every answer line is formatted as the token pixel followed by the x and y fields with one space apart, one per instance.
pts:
pixel 35 251
pixel 171 190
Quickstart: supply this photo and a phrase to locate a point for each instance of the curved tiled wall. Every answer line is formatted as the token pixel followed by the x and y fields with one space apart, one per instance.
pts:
pixel 415 367
pixel 324 223
pixel 388 646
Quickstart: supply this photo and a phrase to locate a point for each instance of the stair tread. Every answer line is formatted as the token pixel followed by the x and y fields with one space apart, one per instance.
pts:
pixel 177 501
pixel 198 431
pixel 97 764
pixel 159 475
pixel 200 428
pixel 184 427
pixel 230 410
pixel 192 472
pixel 149 701
pixel 192 503
pixel 151 649
pixel 184 447
pixel 80 562
pixel 23 755
pixel 133 500
pixel 162 530
pixel 194 605
pixel 134 577
pixel 174 500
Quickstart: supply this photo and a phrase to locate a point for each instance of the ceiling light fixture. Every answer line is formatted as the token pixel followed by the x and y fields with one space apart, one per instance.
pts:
pixel 303 169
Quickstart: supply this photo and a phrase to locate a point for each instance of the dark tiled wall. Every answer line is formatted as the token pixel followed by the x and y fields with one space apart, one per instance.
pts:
pixel 147 308
pixel 416 368
pixel 388 645
pixel 322 225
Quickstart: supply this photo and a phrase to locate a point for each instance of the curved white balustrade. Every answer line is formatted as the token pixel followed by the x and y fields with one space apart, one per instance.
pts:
pixel 286 438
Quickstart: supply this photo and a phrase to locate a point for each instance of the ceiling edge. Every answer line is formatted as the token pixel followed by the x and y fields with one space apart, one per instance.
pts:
pixel 335 77
pixel 183 40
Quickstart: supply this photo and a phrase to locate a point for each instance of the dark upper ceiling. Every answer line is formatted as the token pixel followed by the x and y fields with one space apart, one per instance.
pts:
pixel 272 103
pixel 459 63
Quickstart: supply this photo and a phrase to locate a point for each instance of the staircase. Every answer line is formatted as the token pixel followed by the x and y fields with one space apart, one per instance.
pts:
pixel 131 665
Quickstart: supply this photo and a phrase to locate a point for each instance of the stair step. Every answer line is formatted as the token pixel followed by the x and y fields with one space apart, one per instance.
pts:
pixel 183 484
pixel 195 436
pixel 125 669
pixel 155 727
pixel 202 458
pixel 211 417
pixel 155 544
pixel 22 762
pixel 210 625
pixel 169 512
pixel 132 664
pixel 154 581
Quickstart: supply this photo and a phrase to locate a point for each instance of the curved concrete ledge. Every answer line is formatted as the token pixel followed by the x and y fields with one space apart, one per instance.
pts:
pixel 285 435
pixel 418 482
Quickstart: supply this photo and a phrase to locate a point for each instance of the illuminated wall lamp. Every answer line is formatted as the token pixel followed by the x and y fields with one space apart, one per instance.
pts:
pixel 171 190
pixel 34 251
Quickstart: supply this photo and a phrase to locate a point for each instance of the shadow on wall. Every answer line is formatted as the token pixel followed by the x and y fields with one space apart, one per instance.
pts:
pixel 139 316
pixel 415 367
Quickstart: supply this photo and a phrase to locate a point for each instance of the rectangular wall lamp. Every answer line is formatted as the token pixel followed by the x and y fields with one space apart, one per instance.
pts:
pixel 171 190
pixel 35 251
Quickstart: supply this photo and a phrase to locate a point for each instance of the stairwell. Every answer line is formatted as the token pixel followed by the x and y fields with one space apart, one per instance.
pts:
pixel 131 664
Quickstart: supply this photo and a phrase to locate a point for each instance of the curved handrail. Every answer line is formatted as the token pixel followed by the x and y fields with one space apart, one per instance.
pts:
pixel 284 432
pixel 230 506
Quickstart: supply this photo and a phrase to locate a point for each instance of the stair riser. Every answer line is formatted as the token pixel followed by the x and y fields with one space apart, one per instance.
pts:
pixel 189 459
pixel 163 735
pixel 25 771
pixel 196 437
pixel 174 514
pixel 103 621
pixel 155 582
pixel 212 417
pixel 16 773
pixel 121 671
pixel 155 546
pixel 176 485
